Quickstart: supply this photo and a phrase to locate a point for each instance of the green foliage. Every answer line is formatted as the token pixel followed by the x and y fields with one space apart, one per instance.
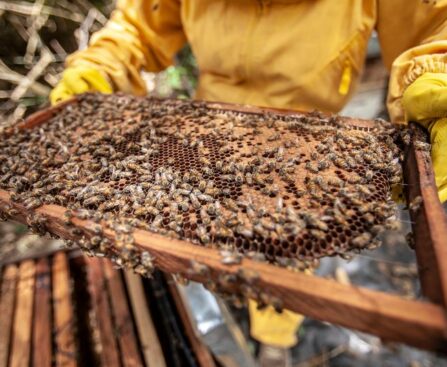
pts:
pixel 182 78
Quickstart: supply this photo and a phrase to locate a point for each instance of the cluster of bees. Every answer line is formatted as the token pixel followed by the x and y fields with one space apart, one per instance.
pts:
pixel 282 188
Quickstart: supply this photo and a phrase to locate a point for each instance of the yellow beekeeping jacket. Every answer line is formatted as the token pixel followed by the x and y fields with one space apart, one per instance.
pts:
pixel 298 54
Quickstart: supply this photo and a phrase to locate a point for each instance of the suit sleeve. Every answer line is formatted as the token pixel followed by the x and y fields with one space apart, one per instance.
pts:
pixel 413 37
pixel 141 34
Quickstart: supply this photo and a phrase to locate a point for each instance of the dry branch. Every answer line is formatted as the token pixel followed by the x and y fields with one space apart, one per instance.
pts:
pixel 31 77
pixel 27 9
pixel 9 75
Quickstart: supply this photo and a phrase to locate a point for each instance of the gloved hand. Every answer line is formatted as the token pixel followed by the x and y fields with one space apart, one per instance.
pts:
pixel 77 80
pixel 272 328
pixel 425 101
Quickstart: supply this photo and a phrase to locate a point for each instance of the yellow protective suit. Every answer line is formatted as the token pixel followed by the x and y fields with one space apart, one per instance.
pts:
pixel 298 54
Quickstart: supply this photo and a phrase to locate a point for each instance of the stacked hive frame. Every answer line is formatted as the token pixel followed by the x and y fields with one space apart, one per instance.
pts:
pixel 65 309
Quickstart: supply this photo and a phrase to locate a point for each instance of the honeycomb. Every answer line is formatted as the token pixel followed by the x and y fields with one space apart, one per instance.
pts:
pixel 283 186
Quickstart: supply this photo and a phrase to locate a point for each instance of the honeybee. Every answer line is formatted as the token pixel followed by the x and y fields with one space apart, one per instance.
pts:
pixel 248 276
pixel 279 204
pixel 194 201
pixel 225 149
pixel 342 145
pixel 202 234
pixel 206 220
pixel 232 221
pixel 369 175
pixel 94 200
pixel 274 137
pixel 362 240
pixel 280 154
pixel 393 225
pixel 419 145
pixel 202 185
pixel 341 163
pixel 206 198
pixel 156 223
pixel 256 256
pixel 363 189
pixel 32 203
pixel 259 229
pixel 230 258
pixel 334 181
pixel 246 232
pixel 313 221
pixel 249 178
pixel 395 179
pixel 312 167
pixel 37 223
pixel 369 217
pixel 226 191
pixel 267 224
pixel 415 204
pixel 198 269
pixel 321 148
pixel 323 164
pixel 227 280
pixel 68 215
pixel 224 232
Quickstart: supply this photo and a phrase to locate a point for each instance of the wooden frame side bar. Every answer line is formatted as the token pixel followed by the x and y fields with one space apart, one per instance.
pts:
pixel 122 318
pixel 9 282
pixel 429 223
pixel 150 343
pixel 201 351
pixel 42 343
pixel 64 327
pixel 107 346
pixel 23 318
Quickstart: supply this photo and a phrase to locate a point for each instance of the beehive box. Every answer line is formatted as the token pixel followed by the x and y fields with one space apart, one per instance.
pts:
pixel 213 193
pixel 65 309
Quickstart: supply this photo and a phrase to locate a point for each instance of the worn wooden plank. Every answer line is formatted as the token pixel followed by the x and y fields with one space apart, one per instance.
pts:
pixel 64 328
pixel 7 300
pixel 123 323
pixel 42 350
pixel 23 319
pixel 107 347
pixel 429 224
pixel 201 351
pixel 150 344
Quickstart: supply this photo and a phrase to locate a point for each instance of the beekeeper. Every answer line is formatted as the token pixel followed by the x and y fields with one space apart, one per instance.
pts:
pixel 295 54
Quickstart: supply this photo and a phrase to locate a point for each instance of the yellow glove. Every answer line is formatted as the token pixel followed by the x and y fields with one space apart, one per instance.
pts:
pixel 270 327
pixel 425 101
pixel 79 80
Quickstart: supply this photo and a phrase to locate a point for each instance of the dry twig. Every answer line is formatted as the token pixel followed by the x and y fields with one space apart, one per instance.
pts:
pixel 31 77
pixel 27 9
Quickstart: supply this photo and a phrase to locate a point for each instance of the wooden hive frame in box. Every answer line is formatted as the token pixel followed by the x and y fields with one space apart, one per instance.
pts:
pixel 65 309
pixel 420 323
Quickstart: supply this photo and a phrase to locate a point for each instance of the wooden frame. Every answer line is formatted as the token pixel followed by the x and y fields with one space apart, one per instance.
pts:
pixel 430 223
pixel 419 323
